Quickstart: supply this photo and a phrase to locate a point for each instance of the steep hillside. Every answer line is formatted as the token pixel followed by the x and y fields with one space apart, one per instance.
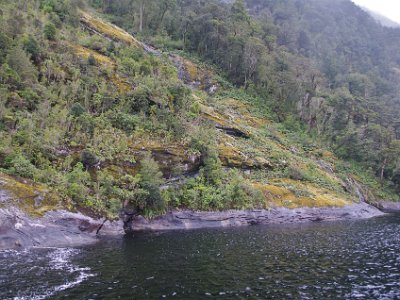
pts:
pixel 101 120
pixel 324 67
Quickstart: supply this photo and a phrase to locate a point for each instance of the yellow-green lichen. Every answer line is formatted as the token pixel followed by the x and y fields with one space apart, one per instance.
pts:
pixel 86 53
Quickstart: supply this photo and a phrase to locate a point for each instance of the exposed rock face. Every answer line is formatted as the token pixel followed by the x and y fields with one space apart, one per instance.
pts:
pixel 171 157
pixel 56 228
pixel 194 220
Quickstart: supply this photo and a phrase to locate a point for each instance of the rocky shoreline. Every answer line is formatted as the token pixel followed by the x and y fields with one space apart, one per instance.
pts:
pixel 175 220
pixel 66 229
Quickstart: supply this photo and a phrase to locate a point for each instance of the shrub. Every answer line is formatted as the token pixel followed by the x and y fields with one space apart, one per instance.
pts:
pixel 31 98
pixel 77 110
pixel 92 60
pixel 294 172
pixel 76 183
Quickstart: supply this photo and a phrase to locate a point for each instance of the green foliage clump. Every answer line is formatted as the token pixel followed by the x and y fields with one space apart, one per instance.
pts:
pixel 31 46
pixel 65 10
pixel 50 31
pixel 88 159
pixel 232 193
pixel 19 165
pixel 150 181
pixel 76 185
pixel 92 60
pixel 77 110
pixel 18 61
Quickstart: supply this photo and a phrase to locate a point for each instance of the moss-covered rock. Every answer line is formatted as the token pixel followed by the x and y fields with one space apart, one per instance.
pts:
pixel 227 123
pixel 86 53
pixel 34 199
pixel 108 30
pixel 234 158
pixel 294 194
pixel 174 159
pixel 122 85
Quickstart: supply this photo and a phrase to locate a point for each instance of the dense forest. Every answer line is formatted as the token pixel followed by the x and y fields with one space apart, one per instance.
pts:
pixel 203 104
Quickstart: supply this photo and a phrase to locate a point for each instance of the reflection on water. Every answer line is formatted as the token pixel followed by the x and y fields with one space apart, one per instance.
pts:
pixel 343 260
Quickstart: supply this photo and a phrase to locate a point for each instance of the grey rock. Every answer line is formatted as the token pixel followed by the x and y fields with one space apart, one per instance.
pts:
pixel 55 229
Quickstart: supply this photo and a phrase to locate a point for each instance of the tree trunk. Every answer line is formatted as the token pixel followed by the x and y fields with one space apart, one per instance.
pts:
pixel 383 170
pixel 141 12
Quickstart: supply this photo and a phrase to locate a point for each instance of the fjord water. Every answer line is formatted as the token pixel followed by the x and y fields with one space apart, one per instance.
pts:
pixel 338 260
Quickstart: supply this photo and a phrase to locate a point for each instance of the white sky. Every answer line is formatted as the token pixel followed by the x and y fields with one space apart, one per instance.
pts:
pixel 388 8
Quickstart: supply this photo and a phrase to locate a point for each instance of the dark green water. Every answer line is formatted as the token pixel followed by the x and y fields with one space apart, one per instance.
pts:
pixel 342 260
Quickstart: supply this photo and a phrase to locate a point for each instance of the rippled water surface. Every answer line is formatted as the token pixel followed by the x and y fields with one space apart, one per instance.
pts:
pixel 342 260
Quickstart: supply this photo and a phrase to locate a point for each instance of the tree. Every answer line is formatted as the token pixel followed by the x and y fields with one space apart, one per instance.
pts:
pixel 151 180
pixel 253 50
pixel 19 61
pixel 165 5
pixel 212 168
pixel 8 75
pixel 240 17
pixel 5 43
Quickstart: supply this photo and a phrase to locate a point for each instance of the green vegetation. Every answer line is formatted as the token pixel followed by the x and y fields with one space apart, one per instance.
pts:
pixel 244 107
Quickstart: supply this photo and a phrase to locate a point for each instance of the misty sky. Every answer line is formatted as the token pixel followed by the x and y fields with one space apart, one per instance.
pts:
pixel 388 8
